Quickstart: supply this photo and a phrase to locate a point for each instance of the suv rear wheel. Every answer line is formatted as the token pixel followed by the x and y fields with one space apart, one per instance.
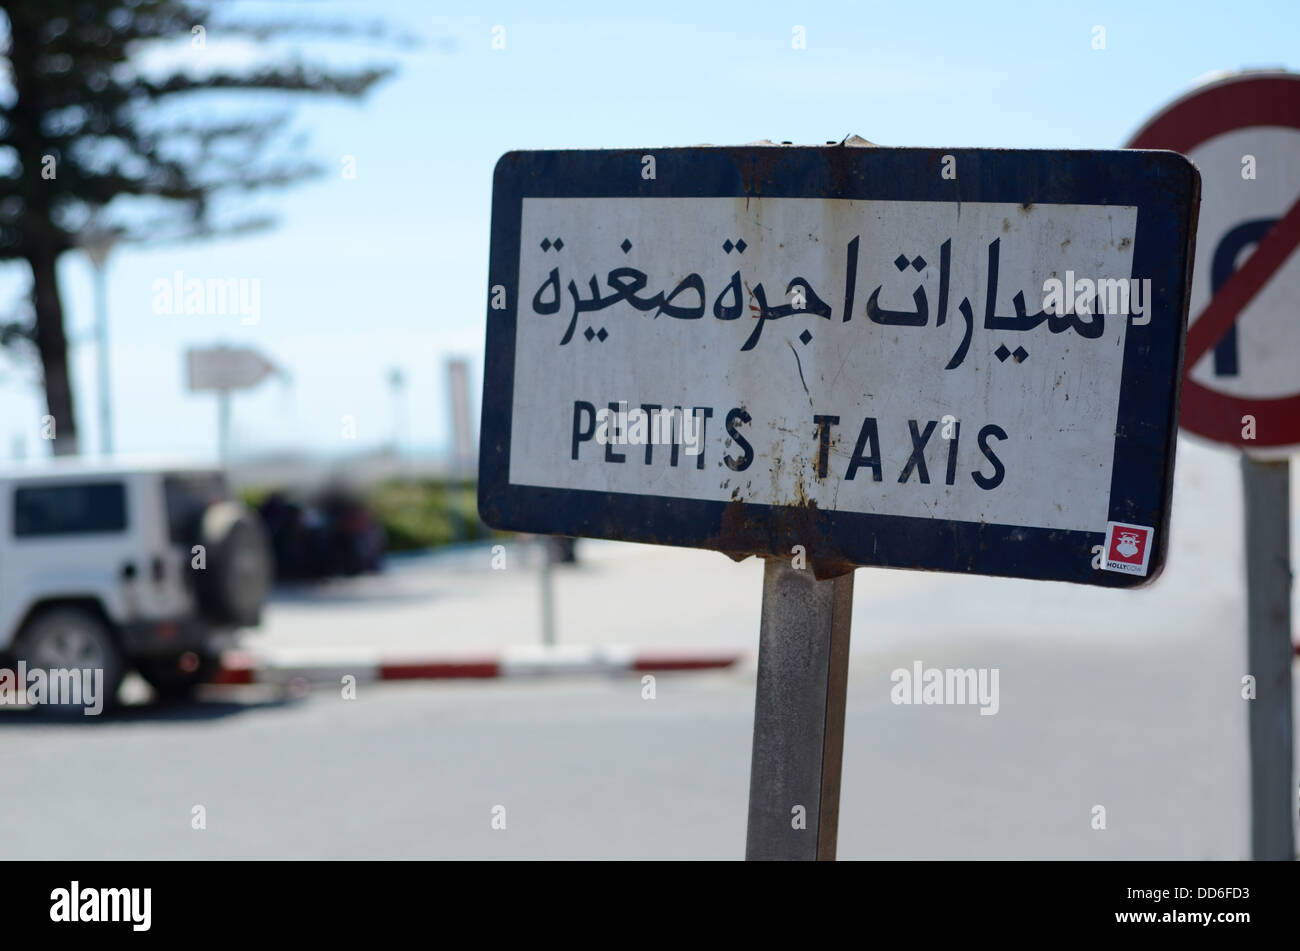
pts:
pixel 72 639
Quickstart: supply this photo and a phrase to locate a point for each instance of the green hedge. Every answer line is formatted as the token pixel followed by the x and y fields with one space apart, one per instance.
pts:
pixel 417 515
pixel 427 514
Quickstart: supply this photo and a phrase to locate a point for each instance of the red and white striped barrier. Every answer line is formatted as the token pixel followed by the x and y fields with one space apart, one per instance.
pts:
pixel 239 667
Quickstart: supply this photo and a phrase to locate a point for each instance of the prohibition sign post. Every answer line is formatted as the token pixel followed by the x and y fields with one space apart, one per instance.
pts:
pixel 1242 385
pixel 962 360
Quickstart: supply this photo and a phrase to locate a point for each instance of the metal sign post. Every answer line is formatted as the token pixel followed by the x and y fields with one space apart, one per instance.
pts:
pixel 547 585
pixel 803 666
pixel 1242 385
pixel 1269 653
pixel 223 424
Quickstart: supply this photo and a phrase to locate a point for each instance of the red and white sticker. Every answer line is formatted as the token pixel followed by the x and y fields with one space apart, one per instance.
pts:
pixel 1128 548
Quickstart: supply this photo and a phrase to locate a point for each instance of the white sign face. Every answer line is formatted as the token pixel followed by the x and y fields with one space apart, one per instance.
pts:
pixel 1267 332
pixel 994 456
pixel 226 368
pixel 961 361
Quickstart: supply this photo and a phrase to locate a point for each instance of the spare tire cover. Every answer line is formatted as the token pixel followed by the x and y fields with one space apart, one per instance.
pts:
pixel 233 586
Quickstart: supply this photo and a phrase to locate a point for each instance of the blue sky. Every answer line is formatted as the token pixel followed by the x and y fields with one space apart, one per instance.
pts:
pixel 389 269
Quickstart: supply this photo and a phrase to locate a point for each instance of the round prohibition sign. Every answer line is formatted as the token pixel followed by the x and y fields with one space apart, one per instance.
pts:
pixel 1234 104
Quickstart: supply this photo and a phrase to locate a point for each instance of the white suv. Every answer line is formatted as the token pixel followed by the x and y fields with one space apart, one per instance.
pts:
pixel 113 566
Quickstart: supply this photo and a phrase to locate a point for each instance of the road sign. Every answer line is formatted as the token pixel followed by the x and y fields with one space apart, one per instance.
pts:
pixel 221 370
pixel 1243 378
pixel 226 368
pixel 963 360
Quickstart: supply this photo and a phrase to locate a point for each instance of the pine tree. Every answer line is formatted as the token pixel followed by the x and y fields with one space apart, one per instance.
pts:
pixel 81 126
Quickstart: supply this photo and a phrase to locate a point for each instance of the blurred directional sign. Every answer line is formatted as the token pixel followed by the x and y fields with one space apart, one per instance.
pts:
pixel 226 368
pixel 1243 133
pixel 962 360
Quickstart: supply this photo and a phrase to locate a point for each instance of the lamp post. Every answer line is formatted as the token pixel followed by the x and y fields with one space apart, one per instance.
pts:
pixel 98 244
pixel 397 382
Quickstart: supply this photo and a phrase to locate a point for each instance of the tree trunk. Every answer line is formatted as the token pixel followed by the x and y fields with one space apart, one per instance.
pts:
pixel 52 343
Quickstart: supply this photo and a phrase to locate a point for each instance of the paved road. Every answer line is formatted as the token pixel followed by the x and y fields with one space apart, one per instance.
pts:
pixel 589 769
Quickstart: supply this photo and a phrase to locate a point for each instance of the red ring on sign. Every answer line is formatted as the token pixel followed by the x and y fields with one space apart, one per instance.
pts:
pixel 1227 106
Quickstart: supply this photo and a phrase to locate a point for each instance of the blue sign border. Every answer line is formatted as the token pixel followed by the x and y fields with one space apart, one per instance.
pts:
pixel 1164 186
